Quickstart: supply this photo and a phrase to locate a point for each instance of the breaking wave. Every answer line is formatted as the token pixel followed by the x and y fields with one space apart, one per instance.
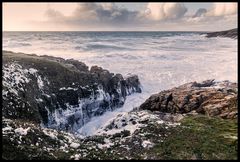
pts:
pixel 162 60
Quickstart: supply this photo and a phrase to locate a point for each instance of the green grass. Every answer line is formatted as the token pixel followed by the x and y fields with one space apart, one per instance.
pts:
pixel 200 137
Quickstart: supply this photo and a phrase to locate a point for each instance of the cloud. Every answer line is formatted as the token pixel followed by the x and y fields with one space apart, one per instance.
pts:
pixel 218 13
pixel 85 11
pixel 110 13
pixel 156 16
pixel 54 14
pixel 223 9
pixel 105 13
pixel 200 12
pixel 166 11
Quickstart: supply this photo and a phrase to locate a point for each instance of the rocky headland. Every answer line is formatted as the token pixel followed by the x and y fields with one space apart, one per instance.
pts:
pixel 58 93
pixel 46 99
pixel 233 33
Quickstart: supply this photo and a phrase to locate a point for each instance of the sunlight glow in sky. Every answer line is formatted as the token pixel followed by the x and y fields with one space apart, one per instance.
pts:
pixel 119 16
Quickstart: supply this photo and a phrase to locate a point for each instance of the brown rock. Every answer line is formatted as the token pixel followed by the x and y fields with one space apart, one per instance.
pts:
pixel 209 97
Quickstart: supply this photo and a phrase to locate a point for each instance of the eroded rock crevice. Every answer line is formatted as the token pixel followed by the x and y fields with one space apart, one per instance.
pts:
pixel 58 93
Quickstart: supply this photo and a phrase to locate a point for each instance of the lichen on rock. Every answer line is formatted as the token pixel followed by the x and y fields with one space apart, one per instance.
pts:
pixel 208 97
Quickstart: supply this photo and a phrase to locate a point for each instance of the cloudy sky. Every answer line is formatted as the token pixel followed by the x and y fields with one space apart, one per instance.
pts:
pixel 119 16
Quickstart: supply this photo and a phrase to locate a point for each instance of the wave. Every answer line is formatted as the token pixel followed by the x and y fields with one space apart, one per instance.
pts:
pixel 24 44
pixel 102 47
pixel 16 44
pixel 161 60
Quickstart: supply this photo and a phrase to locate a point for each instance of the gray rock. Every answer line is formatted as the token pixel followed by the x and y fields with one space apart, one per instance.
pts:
pixel 233 33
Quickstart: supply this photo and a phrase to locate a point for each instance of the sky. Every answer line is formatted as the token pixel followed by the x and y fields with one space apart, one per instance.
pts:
pixel 160 16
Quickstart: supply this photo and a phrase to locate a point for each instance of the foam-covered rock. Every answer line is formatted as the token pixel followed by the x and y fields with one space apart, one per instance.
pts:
pixel 61 94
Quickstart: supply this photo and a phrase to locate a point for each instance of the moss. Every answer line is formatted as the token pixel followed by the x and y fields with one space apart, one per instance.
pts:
pixel 199 137
pixel 97 139
pixel 12 151
pixel 121 134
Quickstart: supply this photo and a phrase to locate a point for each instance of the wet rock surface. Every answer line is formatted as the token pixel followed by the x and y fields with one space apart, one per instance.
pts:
pixel 208 97
pixel 139 134
pixel 61 94
pixel 132 140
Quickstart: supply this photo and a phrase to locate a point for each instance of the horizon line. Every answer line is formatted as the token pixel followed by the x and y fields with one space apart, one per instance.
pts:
pixel 117 30
pixel 106 31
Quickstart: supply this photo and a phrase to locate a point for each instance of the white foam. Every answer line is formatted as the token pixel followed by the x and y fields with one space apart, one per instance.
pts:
pixel 22 131
pixel 74 145
pixel 160 62
pixel 147 144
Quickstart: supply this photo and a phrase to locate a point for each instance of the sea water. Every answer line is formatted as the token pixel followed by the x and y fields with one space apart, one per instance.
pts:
pixel 162 60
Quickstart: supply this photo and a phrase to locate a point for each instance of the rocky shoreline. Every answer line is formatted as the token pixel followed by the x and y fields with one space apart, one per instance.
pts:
pixel 58 93
pixel 209 97
pixel 45 99
pixel 233 33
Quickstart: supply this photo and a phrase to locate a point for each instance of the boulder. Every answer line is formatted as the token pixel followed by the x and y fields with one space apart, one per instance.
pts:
pixel 208 97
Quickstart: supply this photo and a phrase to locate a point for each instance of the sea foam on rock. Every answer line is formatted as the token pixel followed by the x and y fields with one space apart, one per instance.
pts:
pixel 61 94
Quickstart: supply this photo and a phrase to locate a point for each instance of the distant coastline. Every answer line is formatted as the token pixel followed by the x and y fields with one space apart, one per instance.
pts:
pixel 233 33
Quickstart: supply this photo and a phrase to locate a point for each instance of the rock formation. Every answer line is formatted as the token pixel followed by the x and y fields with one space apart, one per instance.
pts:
pixel 209 97
pixel 46 99
pixel 61 94
pixel 233 33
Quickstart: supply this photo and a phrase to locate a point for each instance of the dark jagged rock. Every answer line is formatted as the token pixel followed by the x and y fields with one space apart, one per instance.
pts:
pixel 133 82
pixel 233 33
pixel 206 83
pixel 59 93
pixel 209 97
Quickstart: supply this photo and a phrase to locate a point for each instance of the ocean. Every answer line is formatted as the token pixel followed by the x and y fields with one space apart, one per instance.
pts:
pixel 162 60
